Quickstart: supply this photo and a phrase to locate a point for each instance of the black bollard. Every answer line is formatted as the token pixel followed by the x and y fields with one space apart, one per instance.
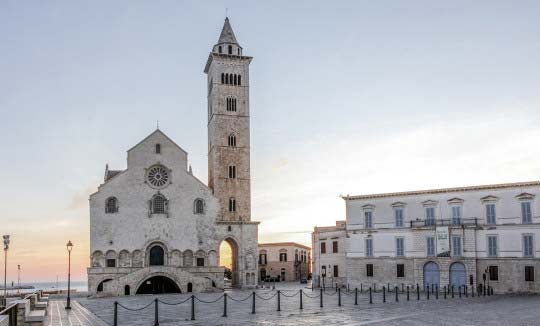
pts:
pixel 225 305
pixel 484 288
pixel 115 323
pixel 445 292
pixel 408 293
pixel 417 292
pixel 370 297
pixel 339 297
pixel 452 291
pixel 321 296
pixel 253 303
pixel 156 316
pixel 356 296
pixel 466 291
pixel 402 287
pixel 192 307
pixel 437 292
pixel 460 291
pixel 301 303
pixel 348 288
pixel 388 286
pixel 427 293
pixel 472 291
pixel 383 294
pixel 361 288
pixel 278 300
pixel 396 288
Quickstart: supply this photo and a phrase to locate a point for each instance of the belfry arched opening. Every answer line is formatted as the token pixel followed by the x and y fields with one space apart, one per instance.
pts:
pixel 158 285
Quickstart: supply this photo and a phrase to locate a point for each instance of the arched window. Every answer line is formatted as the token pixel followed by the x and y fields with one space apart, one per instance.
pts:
pixel 157 256
pixel 159 204
pixel 111 205
pixel 232 205
pixel 222 78
pixel 232 172
pixel 230 49
pixel 220 49
pixel 227 79
pixel 238 51
pixel 231 104
pixel 232 140
pixel 158 148
pixel 239 80
pixel 235 79
pixel 199 206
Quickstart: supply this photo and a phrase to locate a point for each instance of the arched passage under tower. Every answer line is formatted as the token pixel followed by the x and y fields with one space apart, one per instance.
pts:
pixel 228 258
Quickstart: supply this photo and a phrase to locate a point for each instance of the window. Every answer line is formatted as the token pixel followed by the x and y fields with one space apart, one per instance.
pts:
pixel 157 176
pixel 158 204
pixel 368 219
pixel 323 247
pixel 158 148
pixel 528 247
pixel 492 245
pixel 231 104
pixel 369 270
pixel 399 217
pixel 232 205
pixel 232 172
pixel 200 262
pixel 262 258
pixel 199 206
pixel 526 213
pixel 232 140
pixel 239 80
pixel 400 244
pixel 430 246
pixel 369 247
pixel 430 215
pixel 235 80
pixel 456 245
pixel 491 217
pixel 111 262
pixel 400 272
pixel 324 271
pixel 222 78
pixel 493 273
pixel 230 49
pixel 283 256
pixel 336 271
pixel 334 247
pixel 456 215
pixel 111 205
pixel 529 273
pixel 238 51
pixel 220 49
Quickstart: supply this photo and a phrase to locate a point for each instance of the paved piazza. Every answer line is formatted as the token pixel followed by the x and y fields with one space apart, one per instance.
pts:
pixel 494 310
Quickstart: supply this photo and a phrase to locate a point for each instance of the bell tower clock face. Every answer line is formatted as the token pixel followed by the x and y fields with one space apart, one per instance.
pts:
pixel 158 176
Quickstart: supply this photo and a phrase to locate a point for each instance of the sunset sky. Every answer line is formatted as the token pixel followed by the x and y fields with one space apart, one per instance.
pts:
pixel 347 97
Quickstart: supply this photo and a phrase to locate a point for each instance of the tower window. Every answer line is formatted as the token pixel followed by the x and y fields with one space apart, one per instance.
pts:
pixel 232 140
pixel 231 104
pixel 199 206
pixel 158 148
pixel 111 206
pixel 232 172
pixel 239 80
pixel 232 205
pixel 220 49
pixel 222 78
pixel 238 50
pixel 230 49
pixel 235 80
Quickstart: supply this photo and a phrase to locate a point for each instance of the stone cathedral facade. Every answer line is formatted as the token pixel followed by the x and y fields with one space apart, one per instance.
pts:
pixel 155 227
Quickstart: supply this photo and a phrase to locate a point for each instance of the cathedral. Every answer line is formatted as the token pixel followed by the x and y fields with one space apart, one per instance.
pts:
pixel 155 227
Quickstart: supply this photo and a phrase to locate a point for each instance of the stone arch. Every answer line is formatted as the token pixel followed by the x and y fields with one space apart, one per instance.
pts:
pixel 136 258
pixel 153 244
pixel 156 283
pixel 235 264
pixel 212 258
pixel 110 257
pixel 123 259
pixel 101 284
pixel 188 258
pixel 176 258
pixel 97 259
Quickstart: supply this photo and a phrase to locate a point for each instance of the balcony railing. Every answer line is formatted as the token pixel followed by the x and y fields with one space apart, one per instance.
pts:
pixel 444 222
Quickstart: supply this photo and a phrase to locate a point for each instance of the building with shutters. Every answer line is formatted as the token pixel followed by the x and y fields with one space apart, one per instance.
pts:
pixel 284 261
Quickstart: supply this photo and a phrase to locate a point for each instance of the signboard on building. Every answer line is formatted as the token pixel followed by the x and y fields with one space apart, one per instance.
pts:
pixel 443 241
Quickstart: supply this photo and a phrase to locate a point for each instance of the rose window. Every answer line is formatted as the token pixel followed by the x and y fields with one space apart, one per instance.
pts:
pixel 158 176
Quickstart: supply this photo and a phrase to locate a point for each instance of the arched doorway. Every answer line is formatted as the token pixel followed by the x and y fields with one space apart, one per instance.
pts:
pixel 228 258
pixel 431 274
pixel 458 275
pixel 263 274
pixel 157 256
pixel 100 286
pixel 158 285
pixel 127 290
pixel 190 287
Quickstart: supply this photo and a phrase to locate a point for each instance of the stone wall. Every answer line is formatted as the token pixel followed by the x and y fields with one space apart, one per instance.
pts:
pixel 511 276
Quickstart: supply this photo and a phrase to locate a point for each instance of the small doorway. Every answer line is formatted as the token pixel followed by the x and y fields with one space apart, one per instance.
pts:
pixel 190 287
pixel 126 290
pixel 283 274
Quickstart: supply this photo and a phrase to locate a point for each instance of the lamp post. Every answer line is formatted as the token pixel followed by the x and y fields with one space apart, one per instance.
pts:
pixel 6 247
pixel 69 246
pixel 19 279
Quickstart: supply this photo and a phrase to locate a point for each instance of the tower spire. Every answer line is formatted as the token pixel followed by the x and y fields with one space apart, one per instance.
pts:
pixel 227 34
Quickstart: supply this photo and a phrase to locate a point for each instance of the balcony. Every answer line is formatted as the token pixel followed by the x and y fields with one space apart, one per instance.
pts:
pixel 471 221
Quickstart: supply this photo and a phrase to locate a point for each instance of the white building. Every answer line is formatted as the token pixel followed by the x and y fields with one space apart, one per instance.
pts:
pixel 156 228
pixel 446 236
pixel 329 253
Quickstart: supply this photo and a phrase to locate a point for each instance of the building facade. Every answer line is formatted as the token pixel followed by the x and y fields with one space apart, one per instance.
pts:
pixel 479 236
pixel 156 228
pixel 329 253
pixel 284 261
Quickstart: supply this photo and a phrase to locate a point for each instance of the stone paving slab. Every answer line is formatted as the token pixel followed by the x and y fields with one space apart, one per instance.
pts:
pixel 491 310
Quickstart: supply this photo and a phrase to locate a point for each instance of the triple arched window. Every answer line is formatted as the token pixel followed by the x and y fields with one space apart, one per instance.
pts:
pixel 198 206
pixel 231 104
pixel 231 141
pixel 111 205
pixel 159 204
pixel 231 79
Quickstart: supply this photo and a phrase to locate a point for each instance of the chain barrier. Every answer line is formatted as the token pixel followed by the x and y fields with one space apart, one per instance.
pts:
pixel 262 298
pixel 239 300
pixel 289 296
pixel 136 309
pixel 174 304
pixel 312 297
pixel 214 301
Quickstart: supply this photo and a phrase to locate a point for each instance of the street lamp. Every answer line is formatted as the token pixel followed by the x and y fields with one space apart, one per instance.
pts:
pixel 6 247
pixel 69 246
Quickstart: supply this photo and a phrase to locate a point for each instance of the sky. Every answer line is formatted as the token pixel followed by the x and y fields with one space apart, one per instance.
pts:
pixel 347 97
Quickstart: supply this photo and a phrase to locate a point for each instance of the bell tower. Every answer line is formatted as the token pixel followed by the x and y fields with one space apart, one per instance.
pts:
pixel 228 127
